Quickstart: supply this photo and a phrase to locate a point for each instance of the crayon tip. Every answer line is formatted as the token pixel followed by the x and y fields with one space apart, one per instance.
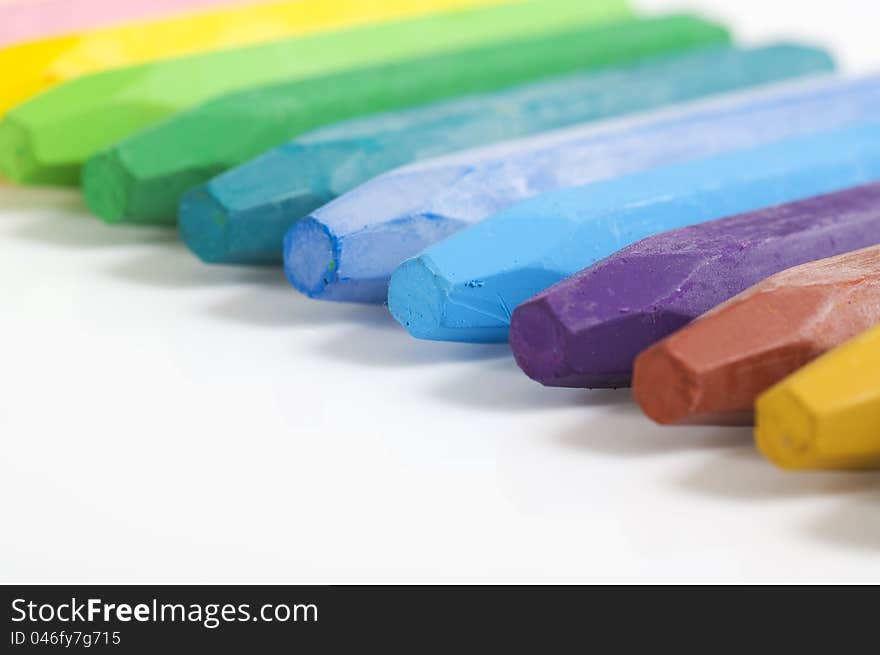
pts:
pixel 243 215
pixel 203 223
pixel 679 399
pixel 18 160
pixel 121 192
pixel 593 354
pixel 422 298
pixel 311 257
pixel 538 341
pixel 785 430
pixel 106 183
pixel 415 298
pixel 825 415
pixel 596 322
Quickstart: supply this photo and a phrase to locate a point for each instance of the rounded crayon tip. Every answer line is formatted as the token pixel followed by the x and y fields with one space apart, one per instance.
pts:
pixel 423 299
pixel 311 257
pixel 106 183
pixel 674 388
pixel 538 342
pixel 785 429
pixel 549 350
pixel 203 220
pixel 416 300
pixel 117 193
pixel 664 386
pixel 18 161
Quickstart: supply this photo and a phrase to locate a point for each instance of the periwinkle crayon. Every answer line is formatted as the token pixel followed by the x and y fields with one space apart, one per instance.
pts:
pixel 348 249
pixel 242 215
pixel 465 288
pixel 588 330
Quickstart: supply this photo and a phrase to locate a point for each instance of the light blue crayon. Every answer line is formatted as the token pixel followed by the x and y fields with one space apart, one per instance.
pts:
pixel 242 215
pixel 348 249
pixel 465 288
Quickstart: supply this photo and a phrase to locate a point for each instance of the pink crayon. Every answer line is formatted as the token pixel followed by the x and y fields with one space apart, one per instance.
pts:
pixel 21 20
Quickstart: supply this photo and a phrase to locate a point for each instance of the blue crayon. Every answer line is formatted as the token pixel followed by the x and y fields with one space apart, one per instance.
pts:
pixel 348 249
pixel 242 215
pixel 465 289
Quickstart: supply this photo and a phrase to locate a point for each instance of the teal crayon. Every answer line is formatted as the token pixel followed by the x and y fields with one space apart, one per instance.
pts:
pixel 242 215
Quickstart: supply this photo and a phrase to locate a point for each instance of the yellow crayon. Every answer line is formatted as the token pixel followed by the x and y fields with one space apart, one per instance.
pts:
pixel 29 68
pixel 827 415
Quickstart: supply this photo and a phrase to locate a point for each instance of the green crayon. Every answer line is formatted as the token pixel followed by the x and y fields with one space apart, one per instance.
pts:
pixel 141 179
pixel 47 139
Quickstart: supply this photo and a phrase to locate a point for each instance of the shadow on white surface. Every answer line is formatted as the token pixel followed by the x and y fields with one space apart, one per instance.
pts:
pixel 742 474
pixel 363 335
pixel 737 472
pixel 22 198
pixel 270 302
pixel 734 471
pixel 382 343
pixel 276 304
pixel 501 387
pixel 621 430
pixel 73 227
pixel 855 523
pixel 173 266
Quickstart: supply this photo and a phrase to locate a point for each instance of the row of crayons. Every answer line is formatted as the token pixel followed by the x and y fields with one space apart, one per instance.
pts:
pixel 627 201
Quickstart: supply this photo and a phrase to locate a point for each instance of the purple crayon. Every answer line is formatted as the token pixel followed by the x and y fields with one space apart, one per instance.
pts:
pixel 587 330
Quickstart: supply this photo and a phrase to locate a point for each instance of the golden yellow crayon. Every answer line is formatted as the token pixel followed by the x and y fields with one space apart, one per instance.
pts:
pixel 827 415
pixel 29 68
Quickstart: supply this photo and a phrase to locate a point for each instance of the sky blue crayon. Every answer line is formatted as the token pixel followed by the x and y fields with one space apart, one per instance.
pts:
pixel 465 288
pixel 348 249
pixel 242 215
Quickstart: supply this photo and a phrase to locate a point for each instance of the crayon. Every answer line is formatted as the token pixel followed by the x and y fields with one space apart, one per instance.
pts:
pixel 40 19
pixel 713 370
pixel 827 414
pixel 48 138
pixel 142 179
pixel 465 288
pixel 348 249
pixel 588 330
pixel 242 215
pixel 32 67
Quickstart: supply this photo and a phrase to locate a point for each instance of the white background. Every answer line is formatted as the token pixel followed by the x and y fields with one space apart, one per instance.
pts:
pixel 166 421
